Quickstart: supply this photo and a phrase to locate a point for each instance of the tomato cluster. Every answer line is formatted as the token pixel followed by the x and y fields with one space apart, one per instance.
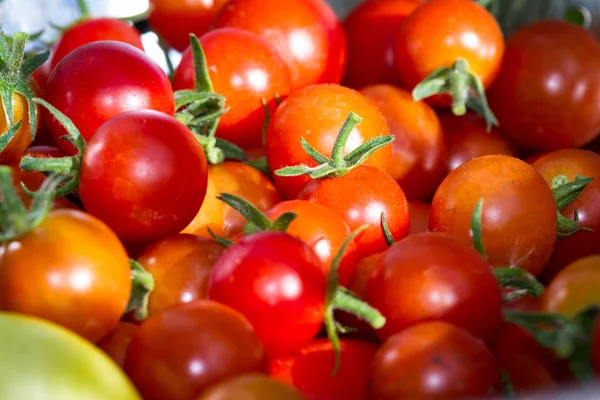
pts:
pixel 395 206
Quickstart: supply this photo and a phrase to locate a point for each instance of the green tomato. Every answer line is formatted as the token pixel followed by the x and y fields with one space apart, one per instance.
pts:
pixel 43 361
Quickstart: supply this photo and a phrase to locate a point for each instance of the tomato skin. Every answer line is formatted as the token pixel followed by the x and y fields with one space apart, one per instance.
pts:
pixel 156 184
pixel 82 282
pixel 433 360
pixel 245 69
pixel 419 217
pixel 250 387
pixel 419 150
pixel 22 137
pixel 93 30
pixel 306 33
pixel 210 214
pixel 547 94
pixel 136 82
pixel 309 370
pixel 518 216
pixel 116 343
pixel 317 114
pixel 360 197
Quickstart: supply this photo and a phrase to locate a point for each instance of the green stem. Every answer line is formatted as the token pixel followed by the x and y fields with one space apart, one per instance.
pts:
pixel 63 165
pixel 16 57
pixel 84 9
pixel 476 230
pixel 14 215
pixel 345 302
pixel 337 154
pixel 522 281
pixel 257 220
pixel 387 234
pixel 142 284
pixel 203 82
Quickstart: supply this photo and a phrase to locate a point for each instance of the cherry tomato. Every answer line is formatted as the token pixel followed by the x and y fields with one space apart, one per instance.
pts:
pixel 518 219
pixel 419 217
pixel 433 360
pixel 360 197
pixel 323 230
pixel 317 114
pixel 144 174
pixel 250 387
pixel 246 70
pixel 309 370
pixel 22 137
pixel 180 265
pixel 116 343
pixel 547 95
pixel 180 352
pixel 90 87
pixel 277 282
pixel 371 29
pixel 82 281
pixel 210 215
pixel 419 151
pixel 306 33
pixel 364 268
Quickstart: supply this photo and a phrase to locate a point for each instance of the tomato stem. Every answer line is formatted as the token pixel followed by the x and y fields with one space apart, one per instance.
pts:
pixel 337 154
pixel 257 220
pixel 564 195
pixel 16 55
pixel 522 281
pixel 476 230
pixel 84 9
pixel 203 82
pixel 142 284
pixel 387 234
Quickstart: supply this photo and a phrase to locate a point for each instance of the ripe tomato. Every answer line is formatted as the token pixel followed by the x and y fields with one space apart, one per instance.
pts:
pixel 116 343
pixel 210 214
pixel 519 212
pixel 180 352
pixel 82 281
pixel 547 95
pixel 306 33
pixel 309 370
pixel 419 217
pixel 245 69
pixel 250 387
pixel 22 138
pixel 144 174
pixel 93 30
pixel 419 151
pixel 317 114
pixel 180 265
pixel 89 87
pixel 433 360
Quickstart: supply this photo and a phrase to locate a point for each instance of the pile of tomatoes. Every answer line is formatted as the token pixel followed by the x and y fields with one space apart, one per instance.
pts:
pixel 401 205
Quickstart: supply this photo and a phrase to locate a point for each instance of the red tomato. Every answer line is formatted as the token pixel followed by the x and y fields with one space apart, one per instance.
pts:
pixel 180 352
pixel 210 214
pixel 519 212
pixel 433 360
pixel 547 95
pixel 309 370
pixel 116 343
pixel 144 174
pixel 317 114
pixel 419 217
pixel 306 33
pixel 250 387
pixel 419 151
pixel 89 87
pixel 245 69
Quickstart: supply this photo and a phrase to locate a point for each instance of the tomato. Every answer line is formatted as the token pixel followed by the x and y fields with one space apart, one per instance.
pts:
pixel 180 352
pixel 309 370
pixel 323 230
pixel 547 95
pixel 317 114
pixel 250 387
pixel 419 217
pixel 419 151
pixel 143 174
pixel 22 137
pixel 364 268
pixel 519 212
pixel 360 197
pixel 180 265
pixel 245 69
pixel 82 281
pixel 306 33
pixel 40 359
pixel 467 138
pixel 89 87
pixel 210 214
pixel 371 29
pixel 433 360
pixel 93 30
pixel 565 165
pixel 173 21
pixel 116 343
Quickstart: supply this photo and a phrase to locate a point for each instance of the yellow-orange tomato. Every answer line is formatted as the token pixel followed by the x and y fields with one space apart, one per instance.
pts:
pixel 210 214
pixel 251 387
pixel 22 137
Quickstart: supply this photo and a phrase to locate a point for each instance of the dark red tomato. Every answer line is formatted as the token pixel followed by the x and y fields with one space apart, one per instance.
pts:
pixel 364 268
pixel 419 151
pixel 419 217
pixel 89 87
pixel 547 95
pixel 144 174
pixel 371 29
pixel 309 370
pixel 180 265
pixel 94 30
pixel 116 343
pixel 251 387
pixel 467 138
pixel 317 114
pixel 323 230
pixel 277 282
pixel 180 352
pixel 433 276
pixel 433 360
pixel 563 166
pixel 245 69
pixel 306 33
pixel 518 219
pixel 175 20
pixel 360 197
